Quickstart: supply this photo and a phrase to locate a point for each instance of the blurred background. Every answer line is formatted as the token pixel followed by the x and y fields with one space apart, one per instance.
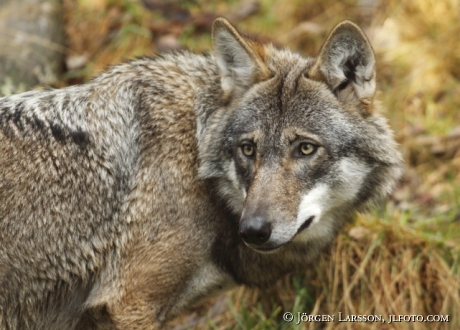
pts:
pixel 401 258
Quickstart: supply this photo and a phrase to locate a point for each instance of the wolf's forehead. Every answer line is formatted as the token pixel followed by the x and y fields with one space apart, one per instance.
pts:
pixel 277 106
pixel 294 99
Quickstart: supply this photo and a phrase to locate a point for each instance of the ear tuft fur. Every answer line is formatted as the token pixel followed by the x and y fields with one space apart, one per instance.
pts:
pixel 239 60
pixel 346 64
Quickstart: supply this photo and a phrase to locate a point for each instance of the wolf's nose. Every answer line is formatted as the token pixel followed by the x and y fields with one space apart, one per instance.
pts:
pixel 255 230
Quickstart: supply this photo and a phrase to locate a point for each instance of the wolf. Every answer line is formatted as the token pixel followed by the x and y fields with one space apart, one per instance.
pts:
pixel 165 180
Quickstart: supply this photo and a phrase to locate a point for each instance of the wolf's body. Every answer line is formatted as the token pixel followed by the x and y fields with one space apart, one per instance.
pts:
pixel 164 180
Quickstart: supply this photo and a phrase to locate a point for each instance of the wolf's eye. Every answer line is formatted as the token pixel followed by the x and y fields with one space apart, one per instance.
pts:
pixel 307 149
pixel 248 150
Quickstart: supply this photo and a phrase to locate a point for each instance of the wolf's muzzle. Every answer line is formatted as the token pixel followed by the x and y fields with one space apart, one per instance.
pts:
pixel 255 230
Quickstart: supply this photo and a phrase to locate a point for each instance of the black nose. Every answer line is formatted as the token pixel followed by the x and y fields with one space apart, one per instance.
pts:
pixel 255 230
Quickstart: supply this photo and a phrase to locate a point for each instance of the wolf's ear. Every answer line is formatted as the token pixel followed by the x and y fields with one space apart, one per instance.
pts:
pixel 240 61
pixel 346 64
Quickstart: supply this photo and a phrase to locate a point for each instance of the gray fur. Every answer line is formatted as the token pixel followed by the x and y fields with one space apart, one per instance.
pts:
pixel 121 199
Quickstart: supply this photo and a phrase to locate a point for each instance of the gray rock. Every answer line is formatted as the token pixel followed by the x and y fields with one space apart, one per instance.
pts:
pixel 31 44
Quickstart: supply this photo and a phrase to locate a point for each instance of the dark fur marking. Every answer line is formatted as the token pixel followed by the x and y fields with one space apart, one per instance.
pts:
pixel 57 132
pixel 341 87
pixel 39 124
pixel 80 138
pixel 305 225
pixel 7 116
pixel 16 116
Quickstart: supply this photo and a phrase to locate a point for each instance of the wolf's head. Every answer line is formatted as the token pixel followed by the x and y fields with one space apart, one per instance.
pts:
pixel 295 144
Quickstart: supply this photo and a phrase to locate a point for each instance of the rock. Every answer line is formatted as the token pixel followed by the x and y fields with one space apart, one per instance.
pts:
pixel 31 44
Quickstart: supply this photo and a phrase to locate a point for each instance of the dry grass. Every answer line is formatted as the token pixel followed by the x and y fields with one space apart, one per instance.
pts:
pixel 401 260
pixel 376 268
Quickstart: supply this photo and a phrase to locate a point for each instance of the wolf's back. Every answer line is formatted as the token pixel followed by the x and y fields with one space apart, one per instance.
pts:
pixel 74 163
pixel 60 190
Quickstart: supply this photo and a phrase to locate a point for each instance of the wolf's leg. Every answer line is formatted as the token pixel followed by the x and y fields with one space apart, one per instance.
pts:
pixel 152 286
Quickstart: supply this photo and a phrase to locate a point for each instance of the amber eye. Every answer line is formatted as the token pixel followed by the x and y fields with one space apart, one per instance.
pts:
pixel 307 149
pixel 248 150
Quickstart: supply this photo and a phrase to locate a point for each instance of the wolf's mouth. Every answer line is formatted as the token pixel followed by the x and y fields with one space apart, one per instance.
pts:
pixel 305 225
pixel 266 249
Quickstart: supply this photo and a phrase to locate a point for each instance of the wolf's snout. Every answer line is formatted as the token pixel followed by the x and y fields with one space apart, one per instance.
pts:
pixel 255 230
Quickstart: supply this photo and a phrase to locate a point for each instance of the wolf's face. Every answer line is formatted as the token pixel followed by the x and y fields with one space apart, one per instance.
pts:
pixel 294 163
pixel 300 149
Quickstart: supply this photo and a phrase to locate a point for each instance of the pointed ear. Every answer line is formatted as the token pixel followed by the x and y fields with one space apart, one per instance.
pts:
pixel 240 61
pixel 346 64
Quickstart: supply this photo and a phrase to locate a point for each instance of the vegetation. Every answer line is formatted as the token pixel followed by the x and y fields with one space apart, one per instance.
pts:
pixel 400 259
